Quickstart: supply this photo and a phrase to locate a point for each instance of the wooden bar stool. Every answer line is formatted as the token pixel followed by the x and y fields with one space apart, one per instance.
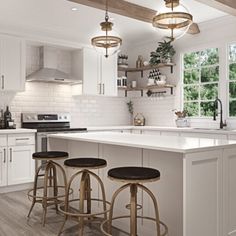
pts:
pixel 85 199
pixel 133 176
pixel 50 193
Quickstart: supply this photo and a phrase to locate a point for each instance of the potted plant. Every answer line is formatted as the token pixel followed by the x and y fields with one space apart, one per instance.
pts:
pixel 163 54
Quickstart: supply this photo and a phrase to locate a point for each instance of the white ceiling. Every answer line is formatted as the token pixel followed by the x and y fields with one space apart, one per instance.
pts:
pixel 56 18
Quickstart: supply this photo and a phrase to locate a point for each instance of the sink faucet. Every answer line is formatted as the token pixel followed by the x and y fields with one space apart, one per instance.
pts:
pixel 222 125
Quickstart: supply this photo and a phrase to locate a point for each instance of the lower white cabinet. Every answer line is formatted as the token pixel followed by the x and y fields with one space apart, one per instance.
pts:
pixel 3 166
pixel 20 164
pixel 16 163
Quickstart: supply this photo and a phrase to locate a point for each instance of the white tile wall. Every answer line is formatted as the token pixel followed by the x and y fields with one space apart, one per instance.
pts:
pixel 157 111
pixel 85 111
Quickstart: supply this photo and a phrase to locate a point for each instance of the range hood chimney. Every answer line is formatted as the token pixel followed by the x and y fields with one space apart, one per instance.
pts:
pixel 49 71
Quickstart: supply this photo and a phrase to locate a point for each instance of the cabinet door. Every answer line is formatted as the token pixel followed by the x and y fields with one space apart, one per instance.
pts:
pixel 3 166
pixel 12 64
pixel 21 166
pixel 109 75
pixel 91 72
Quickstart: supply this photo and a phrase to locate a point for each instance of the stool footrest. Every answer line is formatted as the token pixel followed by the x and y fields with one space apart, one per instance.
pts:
pixel 164 226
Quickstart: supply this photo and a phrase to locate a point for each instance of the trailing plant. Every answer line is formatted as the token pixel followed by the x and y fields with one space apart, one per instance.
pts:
pixel 164 53
pixel 130 107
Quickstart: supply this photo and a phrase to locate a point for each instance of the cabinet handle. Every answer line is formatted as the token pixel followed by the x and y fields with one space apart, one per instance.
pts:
pixel 103 88
pixel 10 154
pixel 21 139
pixel 3 82
pixel 100 88
pixel 4 155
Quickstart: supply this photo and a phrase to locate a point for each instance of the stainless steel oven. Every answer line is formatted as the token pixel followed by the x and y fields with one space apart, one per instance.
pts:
pixel 48 124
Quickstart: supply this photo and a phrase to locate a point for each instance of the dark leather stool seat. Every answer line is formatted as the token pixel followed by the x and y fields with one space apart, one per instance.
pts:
pixel 134 173
pixel 50 155
pixel 85 162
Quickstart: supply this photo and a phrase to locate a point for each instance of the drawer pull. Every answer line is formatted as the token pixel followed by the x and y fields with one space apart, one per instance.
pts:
pixel 10 154
pixel 22 139
pixel 4 155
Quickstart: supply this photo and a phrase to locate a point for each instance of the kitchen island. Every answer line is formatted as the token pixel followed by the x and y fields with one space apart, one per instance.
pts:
pixel 196 192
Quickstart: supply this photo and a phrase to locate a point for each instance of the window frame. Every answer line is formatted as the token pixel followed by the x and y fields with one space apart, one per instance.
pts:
pixel 199 84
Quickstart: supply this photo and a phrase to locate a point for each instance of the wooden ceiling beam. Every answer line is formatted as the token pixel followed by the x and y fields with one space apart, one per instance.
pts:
pixel 121 7
pixel 228 6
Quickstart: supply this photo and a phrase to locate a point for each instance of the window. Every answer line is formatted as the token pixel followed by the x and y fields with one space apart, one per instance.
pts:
pixel 200 82
pixel 232 80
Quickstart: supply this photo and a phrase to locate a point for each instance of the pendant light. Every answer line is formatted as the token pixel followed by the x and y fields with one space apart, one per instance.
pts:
pixel 173 19
pixel 108 42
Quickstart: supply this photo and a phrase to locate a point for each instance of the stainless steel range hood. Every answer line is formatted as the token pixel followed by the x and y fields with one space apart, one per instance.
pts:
pixel 49 72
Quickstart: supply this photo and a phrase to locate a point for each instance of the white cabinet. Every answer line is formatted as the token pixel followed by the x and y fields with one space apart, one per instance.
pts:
pixel 12 63
pixel 108 76
pixel 16 163
pixel 3 166
pixel 21 165
pixel 97 73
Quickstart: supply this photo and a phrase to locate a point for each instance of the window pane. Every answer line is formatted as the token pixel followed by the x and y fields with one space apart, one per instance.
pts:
pixel 232 108
pixel 232 89
pixel 191 60
pixel 207 108
pixel 191 108
pixel 209 91
pixel 210 74
pixel 191 77
pixel 209 57
pixel 232 53
pixel 232 71
pixel 190 93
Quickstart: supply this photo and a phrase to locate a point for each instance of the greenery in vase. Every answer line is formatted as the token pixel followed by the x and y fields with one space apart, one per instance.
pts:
pixel 164 53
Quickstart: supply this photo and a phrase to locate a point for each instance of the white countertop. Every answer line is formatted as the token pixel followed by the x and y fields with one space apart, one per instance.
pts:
pixel 162 143
pixel 17 131
pixel 163 128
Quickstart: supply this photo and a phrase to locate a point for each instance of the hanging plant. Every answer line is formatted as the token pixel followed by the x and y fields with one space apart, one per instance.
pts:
pixel 163 54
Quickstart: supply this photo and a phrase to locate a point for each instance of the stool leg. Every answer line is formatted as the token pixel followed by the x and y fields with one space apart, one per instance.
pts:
pixel 109 223
pixel 155 207
pixel 133 210
pixel 34 190
pixel 103 192
pixel 55 189
pixel 88 193
pixel 68 187
pixel 45 192
pixel 81 201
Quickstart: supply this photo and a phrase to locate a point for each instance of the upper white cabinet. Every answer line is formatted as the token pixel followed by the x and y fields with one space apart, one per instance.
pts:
pixel 12 63
pixel 97 72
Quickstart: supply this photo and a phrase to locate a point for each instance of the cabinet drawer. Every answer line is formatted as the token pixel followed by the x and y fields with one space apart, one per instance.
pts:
pixel 21 139
pixel 3 140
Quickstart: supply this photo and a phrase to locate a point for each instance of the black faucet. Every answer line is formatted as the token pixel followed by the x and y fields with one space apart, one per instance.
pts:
pixel 222 125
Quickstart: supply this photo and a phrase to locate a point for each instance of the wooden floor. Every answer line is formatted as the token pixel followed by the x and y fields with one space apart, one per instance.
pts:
pixel 14 208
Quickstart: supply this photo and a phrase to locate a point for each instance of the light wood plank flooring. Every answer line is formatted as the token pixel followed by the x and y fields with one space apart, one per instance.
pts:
pixel 14 208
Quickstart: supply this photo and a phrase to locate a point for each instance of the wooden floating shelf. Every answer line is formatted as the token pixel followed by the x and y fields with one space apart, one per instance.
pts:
pixel 141 69
pixel 151 87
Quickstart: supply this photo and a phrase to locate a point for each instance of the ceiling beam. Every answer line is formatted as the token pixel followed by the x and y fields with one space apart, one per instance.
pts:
pixel 228 6
pixel 121 7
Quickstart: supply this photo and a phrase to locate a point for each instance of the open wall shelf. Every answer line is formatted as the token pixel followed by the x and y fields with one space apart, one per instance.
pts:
pixel 149 88
pixel 142 69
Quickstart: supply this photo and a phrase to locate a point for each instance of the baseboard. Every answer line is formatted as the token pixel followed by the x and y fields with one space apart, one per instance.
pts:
pixel 14 188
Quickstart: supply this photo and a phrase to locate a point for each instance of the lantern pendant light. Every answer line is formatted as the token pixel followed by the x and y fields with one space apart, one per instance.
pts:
pixel 173 19
pixel 106 41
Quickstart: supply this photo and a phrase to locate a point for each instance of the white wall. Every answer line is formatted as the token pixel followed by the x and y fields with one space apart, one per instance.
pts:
pixel 217 33
pixel 85 111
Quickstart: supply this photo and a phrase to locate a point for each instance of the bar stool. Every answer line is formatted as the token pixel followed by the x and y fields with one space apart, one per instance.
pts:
pixel 50 190
pixel 85 164
pixel 133 176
